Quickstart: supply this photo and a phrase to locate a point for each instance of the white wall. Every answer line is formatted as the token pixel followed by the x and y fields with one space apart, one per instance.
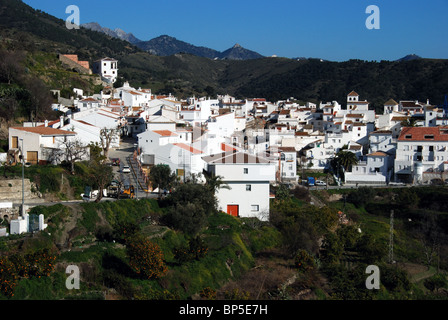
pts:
pixel 238 195
pixel 255 172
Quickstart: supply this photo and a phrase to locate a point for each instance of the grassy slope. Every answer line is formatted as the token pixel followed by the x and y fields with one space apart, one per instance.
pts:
pixel 231 249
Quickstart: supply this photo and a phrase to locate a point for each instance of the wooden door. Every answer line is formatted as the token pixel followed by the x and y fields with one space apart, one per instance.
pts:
pixel 15 142
pixel 233 210
pixel 31 157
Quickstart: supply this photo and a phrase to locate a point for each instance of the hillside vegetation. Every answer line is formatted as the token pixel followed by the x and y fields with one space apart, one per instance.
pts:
pixel 181 247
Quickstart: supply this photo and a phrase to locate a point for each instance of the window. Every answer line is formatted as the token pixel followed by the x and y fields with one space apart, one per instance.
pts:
pixel 431 148
pixel 255 207
pixel 246 170
pixel 248 187
pixel 419 148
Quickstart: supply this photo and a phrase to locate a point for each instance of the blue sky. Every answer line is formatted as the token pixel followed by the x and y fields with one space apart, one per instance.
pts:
pixel 328 29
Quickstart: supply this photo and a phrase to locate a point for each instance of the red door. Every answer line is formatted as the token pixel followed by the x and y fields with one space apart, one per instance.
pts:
pixel 233 210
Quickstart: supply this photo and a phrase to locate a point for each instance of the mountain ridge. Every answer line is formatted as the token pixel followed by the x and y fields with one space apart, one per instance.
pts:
pixel 116 33
pixel 165 45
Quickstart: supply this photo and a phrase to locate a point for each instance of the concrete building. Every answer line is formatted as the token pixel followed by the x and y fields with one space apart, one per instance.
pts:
pixel 420 150
pixel 248 178
pixel 38 142
pixel 107 68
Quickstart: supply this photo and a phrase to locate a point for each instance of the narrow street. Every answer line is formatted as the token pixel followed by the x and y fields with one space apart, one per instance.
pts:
pixel 125 154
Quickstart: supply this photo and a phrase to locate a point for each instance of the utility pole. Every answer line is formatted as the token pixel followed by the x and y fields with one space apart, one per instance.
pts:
pixel 23 179
pixel 391 238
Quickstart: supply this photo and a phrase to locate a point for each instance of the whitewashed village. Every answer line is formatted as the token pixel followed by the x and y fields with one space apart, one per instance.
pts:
pixel 250 143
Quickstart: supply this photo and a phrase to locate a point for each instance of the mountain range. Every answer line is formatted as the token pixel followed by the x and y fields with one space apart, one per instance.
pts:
pixel 165 45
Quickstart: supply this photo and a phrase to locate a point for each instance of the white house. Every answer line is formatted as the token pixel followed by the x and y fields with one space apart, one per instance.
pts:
pixel 420 149
pixel 222 125
pixel 285 161
pixel 382 140
pixel 88 103
pixel 248 178
pixel 182 158
pixel 199 111
pixel 107 68
pixel 37 143
pixel 374 170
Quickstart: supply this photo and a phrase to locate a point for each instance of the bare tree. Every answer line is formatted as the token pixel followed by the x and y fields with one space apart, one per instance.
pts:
pixel 71 150
pixel 10 65
pixel 106 138
pixel 430 237
pixel 101 174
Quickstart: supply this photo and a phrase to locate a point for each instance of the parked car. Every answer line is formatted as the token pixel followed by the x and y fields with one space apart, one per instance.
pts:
pixel 115 161
pixel 126 169
pixel 320 183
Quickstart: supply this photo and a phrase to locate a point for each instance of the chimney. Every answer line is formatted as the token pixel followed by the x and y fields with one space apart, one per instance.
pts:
pixel 46 123
pixel 61 122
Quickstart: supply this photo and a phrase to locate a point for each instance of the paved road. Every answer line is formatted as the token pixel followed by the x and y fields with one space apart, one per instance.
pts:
pixel 126 150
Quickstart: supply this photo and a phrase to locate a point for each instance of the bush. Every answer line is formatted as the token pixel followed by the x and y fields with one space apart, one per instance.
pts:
pixel 196 250
pixel 361 197
pixel 49 182
pixel 146 258
pixel 303 261
pixel 208 293
pixel 435 282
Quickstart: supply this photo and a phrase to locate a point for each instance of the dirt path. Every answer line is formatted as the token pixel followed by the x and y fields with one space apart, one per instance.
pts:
pixel 417 272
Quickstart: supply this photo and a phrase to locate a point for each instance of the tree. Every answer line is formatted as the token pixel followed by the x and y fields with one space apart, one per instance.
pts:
pixel 71 151
pixel 214 183
pixel 106 138
pixel 74 150
pixel 162 177
pixel 190 218
pixel 361 196
pixel 346 159
pixel 410 122
pixel 435 282
pixel 101 175
pixel 333 248
pixel 282 193
pixel 430 236
pixel 95 152
pixel 343 161
pixel 145 257
pixel 191 204
pixel 303 261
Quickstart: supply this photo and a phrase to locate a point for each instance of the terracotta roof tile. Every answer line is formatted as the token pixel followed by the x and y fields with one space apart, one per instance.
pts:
pixel 46 131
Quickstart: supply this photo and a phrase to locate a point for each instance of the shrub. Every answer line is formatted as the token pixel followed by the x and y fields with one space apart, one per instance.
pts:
pixel 208 293
pixel 303 261
pixel 435 282
pixel 237 294
pixel 196 250
pixel 49 182
pixel 146 258
pixel 361 197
